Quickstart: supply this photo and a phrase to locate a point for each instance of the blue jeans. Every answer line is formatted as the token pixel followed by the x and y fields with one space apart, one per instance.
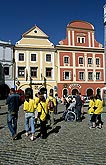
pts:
pixel 29 120
pixel 12 123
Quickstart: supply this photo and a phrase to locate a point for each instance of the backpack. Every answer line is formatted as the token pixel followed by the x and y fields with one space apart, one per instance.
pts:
pixel 50 104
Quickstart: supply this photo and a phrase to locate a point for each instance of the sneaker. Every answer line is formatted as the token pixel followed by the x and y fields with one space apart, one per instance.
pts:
pixel 92 127
pixel 32 138
pixel 14 137
pixel 27 134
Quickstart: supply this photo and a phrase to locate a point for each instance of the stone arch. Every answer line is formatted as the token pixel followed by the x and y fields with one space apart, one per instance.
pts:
pixel 89 92
pixel 65 92
pixel 74 91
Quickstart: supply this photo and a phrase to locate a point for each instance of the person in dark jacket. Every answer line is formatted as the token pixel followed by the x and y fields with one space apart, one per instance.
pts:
pixel 78 107
pixel 13 102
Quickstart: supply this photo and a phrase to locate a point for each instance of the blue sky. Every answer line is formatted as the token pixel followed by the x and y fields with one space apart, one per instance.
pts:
pixel 52 17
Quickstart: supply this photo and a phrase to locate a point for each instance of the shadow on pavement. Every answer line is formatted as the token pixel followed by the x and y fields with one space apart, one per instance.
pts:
pixel 4 113
pixel 19 134
pixel 2 127
pixel 54 130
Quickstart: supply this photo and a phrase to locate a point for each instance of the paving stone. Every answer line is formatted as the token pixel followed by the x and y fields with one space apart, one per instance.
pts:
pixel 69 143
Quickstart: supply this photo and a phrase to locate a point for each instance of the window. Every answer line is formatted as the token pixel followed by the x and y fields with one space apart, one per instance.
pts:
pixel 33 71
pixel 48 57
pixel 80 40
pixel 97 75
pixel 80 60
pixel 89 60
pixel 90 75
pixel 6 71
pixel 66 75
pixel 66 60
pixel 97 61
pixel 81 75
pixel 48 72
pixel 21 71
pixel 33 57
pixel 21 56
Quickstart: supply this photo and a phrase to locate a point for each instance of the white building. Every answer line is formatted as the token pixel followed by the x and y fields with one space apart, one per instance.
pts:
pixel 6 68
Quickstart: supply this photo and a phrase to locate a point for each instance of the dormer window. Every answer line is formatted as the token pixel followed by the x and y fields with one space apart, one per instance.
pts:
pixel 80 40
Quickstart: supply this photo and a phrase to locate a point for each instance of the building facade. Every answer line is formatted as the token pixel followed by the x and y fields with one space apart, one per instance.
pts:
pixel 6 68
pixel 80 61
pixel 35 62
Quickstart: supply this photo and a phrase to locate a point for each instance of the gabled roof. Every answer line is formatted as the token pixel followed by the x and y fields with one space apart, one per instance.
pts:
pixel 81 25
pixel 35 32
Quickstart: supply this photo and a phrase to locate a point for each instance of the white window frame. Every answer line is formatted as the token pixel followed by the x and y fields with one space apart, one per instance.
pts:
pixel 90 61
pixel 97 63
pixel 80 40
pixel 81 77
pixel 46 57
pixel 19 55
pixel 30 56
pixel 64 76
pixel 89 78
pixel 98 75
pixel 67 61
pixel 82 60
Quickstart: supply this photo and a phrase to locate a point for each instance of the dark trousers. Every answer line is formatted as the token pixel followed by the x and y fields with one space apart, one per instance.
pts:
pixel 12 123
pixel 96 117
pixel 43 129
pixel 78 112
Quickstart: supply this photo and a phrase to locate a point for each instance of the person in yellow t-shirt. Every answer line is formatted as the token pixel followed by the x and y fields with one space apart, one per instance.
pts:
pixel 97 112
pixel 29 109
pixel 42 111
pixel 91 107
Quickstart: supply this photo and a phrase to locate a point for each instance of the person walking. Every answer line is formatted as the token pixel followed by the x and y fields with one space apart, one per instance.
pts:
pixel 29 109
pixel 91 107
pixel 36 99
pixel 78 106
pixel 42 114
pixel 98 109
pixel 13 101
pixel 51 101
pixel 56 107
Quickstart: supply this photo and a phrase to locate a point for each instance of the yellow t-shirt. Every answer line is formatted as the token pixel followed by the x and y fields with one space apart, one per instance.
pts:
pixel 99 105
pixel 29 106
pixel 36 99
pixel 41 109
pixel 91 105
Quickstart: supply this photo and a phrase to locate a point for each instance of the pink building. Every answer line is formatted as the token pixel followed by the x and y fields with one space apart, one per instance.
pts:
pixel 81 61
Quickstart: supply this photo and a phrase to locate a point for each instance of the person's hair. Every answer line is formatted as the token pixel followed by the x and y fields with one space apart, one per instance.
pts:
pixel 42 98
pixel 91 97
pixel 56 94
pixel 27 97
pixel 12 89
pixel 36 94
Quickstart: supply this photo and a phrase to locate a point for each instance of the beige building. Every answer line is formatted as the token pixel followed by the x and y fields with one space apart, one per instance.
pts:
pixel 35 59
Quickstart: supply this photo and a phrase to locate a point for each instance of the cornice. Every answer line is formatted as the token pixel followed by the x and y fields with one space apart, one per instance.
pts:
pixel 83 49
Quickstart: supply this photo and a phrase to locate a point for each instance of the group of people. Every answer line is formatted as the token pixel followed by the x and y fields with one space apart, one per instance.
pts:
pixel 77 103
pixel 95 109
pixel 34 109
pixel 40 107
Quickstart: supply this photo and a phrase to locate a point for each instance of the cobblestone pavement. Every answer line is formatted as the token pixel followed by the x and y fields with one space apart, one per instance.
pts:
pixel 69 143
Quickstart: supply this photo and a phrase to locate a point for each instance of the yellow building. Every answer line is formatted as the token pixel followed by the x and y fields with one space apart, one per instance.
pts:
pixel 35 61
